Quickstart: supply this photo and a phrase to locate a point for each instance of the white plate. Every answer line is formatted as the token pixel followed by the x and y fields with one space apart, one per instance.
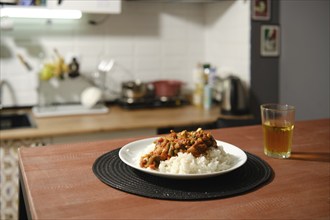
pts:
pixel 131 153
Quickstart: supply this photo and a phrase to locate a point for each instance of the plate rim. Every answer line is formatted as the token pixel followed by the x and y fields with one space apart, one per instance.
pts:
pixel 241 162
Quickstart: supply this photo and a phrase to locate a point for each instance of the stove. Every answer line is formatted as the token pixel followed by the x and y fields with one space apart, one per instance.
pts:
pixel 152 102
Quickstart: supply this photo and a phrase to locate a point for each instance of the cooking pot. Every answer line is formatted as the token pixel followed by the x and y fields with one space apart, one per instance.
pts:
pixel 167 88
pixel 135 89
pixel 234 97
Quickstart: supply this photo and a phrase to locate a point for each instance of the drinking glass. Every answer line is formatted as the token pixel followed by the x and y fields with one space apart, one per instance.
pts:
pixel 277 125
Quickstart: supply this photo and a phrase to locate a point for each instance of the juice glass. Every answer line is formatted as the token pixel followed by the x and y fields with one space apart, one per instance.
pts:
pixel 277 125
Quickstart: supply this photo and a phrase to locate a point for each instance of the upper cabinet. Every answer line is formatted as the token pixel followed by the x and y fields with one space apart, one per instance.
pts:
pixel 87 6
pixel 177 1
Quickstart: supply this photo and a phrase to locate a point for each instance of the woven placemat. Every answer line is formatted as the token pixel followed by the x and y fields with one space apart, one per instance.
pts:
pixel 115 173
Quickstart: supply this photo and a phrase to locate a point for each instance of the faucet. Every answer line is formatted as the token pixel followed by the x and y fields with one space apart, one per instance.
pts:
pixel 3 83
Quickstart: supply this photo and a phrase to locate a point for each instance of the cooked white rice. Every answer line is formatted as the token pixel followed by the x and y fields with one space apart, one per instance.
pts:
pixel 215 160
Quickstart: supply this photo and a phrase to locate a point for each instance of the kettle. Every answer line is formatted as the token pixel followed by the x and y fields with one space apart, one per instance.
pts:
pixel 234 97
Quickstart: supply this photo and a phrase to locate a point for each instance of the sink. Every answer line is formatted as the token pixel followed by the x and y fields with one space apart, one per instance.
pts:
pixel 15 121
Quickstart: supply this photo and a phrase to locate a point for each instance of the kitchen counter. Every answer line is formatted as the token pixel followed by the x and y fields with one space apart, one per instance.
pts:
pixel 58 182
pixel 117 119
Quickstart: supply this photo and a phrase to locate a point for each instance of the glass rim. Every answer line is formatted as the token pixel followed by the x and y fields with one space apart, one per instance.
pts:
pixel 277 107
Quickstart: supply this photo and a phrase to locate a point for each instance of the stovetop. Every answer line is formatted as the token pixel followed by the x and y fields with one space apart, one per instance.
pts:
pixel 152 102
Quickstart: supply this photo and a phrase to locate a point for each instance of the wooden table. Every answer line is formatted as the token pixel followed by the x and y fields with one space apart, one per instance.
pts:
pixel 58 182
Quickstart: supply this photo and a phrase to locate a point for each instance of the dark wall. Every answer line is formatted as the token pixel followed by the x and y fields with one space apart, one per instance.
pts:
pixel 264 70
pixel 304 61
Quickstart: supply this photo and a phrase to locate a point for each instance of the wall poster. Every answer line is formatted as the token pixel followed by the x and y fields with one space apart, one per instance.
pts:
pixel 270 40
pixel 261 9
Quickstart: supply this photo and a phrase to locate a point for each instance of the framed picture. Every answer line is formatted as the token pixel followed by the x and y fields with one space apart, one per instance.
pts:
pixel 270 40
pixel 261 9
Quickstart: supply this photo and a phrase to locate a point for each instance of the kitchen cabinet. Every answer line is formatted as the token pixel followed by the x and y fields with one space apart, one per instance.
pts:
pixel 85 6
pixel 88 6
pixel 182 1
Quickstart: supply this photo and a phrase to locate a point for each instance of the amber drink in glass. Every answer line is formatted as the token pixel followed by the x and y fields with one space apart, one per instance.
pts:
pixel 277 124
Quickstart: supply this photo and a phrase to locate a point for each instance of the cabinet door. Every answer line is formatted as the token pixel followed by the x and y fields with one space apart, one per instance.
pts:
pixel 87 6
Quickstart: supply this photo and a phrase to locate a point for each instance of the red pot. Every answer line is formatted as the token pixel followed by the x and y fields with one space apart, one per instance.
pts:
pixel 167 88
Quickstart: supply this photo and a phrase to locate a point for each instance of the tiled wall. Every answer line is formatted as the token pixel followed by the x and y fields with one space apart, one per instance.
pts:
pixel 227 41
pixel 147 40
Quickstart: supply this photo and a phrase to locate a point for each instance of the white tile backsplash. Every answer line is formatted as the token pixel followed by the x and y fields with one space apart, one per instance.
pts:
pixel 150 47
pixel 227 37
pixel 147 40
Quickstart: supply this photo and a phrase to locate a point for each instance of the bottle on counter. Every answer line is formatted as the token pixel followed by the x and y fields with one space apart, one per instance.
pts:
pixel 74 68
pixel 207 97
pixel 206 71
pixel 198 78
pixel 209 74
pixel 26 2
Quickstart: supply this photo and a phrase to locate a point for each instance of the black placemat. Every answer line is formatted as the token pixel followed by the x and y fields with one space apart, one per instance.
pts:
pixel 115 173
